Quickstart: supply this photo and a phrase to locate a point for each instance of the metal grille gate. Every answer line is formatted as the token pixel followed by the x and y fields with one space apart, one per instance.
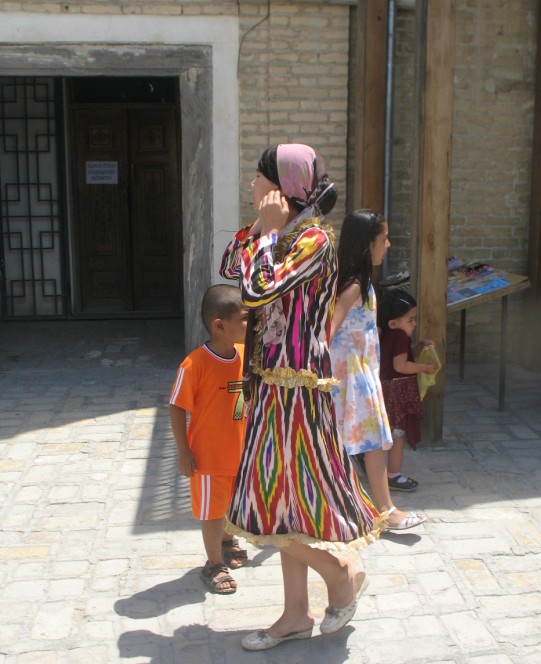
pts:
pixel 33 284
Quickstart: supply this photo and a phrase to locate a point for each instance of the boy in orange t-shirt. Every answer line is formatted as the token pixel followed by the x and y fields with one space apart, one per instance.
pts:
pixel 208 386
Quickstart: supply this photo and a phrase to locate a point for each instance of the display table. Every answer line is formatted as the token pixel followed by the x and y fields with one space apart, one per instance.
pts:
pixel 475 290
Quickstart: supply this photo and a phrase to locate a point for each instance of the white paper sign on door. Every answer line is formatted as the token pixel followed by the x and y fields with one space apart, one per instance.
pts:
pixel 102 172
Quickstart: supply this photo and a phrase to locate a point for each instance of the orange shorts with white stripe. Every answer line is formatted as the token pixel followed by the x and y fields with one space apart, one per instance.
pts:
pixel 211 495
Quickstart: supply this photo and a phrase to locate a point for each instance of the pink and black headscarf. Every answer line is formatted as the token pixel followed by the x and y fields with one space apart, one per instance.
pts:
pixel 299 171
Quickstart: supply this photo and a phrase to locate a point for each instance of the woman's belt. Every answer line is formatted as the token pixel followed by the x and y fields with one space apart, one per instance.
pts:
pixel 288 377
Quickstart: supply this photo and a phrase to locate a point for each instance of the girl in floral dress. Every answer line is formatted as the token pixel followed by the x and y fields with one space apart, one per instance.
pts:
pixel 296 488
pixel 360 409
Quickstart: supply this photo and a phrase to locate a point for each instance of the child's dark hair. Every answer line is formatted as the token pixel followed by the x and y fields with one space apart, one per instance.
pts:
pixel 394 304
pixel 220 301
pixel 359 230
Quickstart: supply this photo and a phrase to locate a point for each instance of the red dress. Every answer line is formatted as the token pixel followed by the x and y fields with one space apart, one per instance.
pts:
pixel 400 391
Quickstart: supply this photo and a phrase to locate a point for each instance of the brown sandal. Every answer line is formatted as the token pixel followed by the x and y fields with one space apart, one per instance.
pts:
pixel 232 553
pixel 209 576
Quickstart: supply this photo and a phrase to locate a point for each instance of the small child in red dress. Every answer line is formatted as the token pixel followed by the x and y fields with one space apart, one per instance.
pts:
pixel 397 319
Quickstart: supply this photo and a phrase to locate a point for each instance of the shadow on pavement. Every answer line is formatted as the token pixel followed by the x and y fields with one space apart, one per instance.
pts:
pixel 199 644
pixel 163 597
pixel 406 539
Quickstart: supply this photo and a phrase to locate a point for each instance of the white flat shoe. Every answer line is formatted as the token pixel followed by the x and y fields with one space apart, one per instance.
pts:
pixel 411 520
pixel 262 640
pixel 335 619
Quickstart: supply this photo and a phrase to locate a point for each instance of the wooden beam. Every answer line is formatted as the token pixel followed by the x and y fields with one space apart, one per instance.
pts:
pixel 370 103
pixel 435 38
pixel 531 351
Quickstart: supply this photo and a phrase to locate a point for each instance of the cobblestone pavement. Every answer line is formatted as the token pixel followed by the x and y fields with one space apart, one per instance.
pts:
pixel 99 553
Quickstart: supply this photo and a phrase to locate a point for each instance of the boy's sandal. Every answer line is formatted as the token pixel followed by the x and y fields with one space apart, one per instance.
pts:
pixel 409 485
pixel 209 576
pixel 233 555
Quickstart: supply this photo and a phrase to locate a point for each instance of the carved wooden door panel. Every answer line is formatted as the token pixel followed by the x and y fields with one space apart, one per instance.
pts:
pixel 126 210
pixel 100 209
pixel 155 252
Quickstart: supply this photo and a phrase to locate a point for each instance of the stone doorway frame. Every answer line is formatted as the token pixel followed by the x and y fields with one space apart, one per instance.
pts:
pixel 202 53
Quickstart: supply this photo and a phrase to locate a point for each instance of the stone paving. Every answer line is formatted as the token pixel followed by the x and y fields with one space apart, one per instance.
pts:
pixel 99 553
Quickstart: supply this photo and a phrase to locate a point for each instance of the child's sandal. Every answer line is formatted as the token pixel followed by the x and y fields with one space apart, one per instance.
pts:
pixel 209 576
pixel 233 555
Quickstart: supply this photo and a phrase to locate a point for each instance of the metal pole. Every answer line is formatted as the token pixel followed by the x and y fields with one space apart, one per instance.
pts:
pixel 503 354
pixel 389 98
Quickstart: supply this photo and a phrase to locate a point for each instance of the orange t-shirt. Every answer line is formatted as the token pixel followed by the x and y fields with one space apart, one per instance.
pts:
pixel 209 387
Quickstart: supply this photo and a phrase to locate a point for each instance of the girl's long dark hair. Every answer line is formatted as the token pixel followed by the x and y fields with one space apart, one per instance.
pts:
pixel 360 228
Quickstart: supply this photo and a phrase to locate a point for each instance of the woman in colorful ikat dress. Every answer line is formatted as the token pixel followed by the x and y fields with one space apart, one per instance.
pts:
pixel 296 488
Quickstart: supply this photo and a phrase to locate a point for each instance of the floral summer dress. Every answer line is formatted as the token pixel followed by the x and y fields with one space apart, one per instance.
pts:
pixel 295 481
pixel 360 410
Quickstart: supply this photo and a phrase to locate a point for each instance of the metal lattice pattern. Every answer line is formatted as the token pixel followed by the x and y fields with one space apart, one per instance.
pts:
pixel 30 205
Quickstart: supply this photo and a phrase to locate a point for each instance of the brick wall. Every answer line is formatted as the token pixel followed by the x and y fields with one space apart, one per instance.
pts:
pixel 491 151
pixel 492 137
pixel 293 81
pixel 492 144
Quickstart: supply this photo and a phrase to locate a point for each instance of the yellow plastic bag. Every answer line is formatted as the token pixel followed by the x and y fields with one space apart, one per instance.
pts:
pixel 424 380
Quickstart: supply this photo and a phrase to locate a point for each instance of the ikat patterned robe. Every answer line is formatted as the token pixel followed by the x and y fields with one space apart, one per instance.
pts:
pixel 295 481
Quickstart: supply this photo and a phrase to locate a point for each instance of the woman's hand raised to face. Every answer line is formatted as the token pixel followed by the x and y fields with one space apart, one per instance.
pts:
pixel 273 212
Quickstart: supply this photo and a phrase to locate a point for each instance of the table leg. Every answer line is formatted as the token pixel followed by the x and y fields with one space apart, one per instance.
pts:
pixel 462 352
pixel 503 353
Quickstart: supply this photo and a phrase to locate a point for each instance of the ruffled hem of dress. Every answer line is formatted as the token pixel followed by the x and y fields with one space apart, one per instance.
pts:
pixel 352 450
pixel 379 526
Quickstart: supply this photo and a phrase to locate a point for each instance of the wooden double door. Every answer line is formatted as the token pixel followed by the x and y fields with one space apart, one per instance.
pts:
pixel 126 209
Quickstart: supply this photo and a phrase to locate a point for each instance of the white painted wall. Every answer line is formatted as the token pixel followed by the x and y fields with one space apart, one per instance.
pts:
pixel 219 32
